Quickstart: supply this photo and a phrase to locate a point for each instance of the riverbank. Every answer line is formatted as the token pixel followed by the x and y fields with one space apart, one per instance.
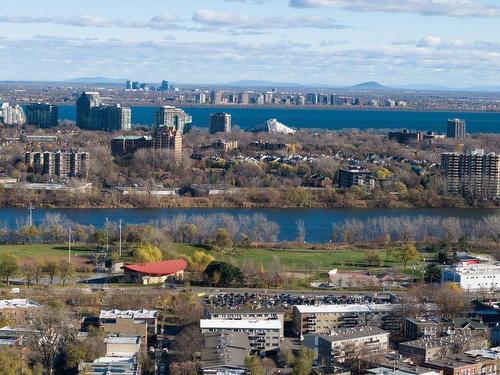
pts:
pixel 259 198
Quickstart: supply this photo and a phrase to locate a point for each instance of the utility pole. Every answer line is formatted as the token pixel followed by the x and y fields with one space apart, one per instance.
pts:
pixel 69 244
pixel 107 236
pixel 120 248
pixel 31 215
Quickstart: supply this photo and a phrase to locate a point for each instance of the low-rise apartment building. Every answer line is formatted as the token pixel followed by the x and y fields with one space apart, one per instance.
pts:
pixel 343 342
pixel 474 362
pixel 141 323
pixel 323 319
pixel 428 349
pixel 416 328
pixel 17 309
pixel 247 313
pixel 264 335
pixel 356 177
pixel 224 353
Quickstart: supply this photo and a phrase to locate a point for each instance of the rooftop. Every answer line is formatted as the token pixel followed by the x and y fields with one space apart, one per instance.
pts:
pixel 239 324
pixel 17 303
pixel 128 314
pixel 434 342
pixel 131 340
pixel 246 310
pixel 162 268
pixel 358 308
pixel 353 333
pixel 224 348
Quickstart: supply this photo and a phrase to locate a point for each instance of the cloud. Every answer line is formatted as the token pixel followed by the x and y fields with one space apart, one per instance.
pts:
pixel 70 57
pixel 220 19
pixel 164 21
pixel 452 8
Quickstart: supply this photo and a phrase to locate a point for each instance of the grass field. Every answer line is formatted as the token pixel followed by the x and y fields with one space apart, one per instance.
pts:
pixel 290 260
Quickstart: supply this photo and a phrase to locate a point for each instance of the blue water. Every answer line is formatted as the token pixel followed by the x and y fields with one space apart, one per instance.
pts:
pixel 318 222
pixel 477 122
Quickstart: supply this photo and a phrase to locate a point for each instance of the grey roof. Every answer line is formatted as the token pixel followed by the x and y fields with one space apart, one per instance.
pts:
pixel 246 310
pixel 224 349
pixel 436 342
pixel 352 333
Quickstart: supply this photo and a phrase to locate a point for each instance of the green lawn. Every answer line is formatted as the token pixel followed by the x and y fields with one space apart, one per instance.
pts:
pixel 290 260
pixel 299 260
pixel 37 251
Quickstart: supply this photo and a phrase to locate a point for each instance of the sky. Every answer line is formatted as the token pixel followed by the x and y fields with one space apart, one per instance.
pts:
pixel 454 43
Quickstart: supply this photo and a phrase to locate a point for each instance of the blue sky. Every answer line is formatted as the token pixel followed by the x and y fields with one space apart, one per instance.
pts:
pixel 332 42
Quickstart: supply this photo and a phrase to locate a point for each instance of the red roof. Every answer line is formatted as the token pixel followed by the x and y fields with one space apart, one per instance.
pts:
pixel 162 268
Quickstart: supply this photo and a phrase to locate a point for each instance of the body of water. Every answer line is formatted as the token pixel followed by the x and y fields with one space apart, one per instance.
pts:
pixel 477 122
pixel 318 222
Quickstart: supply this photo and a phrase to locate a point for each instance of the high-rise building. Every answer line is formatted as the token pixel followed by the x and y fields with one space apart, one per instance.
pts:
pixel 61 163
pixel 311 98
pixel 12 115
pixel 220 122
pixel 172 117
pixel 216 97
pixel 43 115
pixel 165 86
pixel 85 114
pixel 168 138
pixel 128 85
pixel 456 128
pixel 201 98
pixel 243 98
pixel 92 114
pixel 474 174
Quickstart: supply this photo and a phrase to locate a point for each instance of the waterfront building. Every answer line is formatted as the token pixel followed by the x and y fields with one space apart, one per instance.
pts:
pixel 264 335
pixel 66 163
pixel 172 117
pixel 12 115
pixel 220 122
pixel 165 86
pixel 474 174
pixel 311 98
pixel 456 128
pixel 201 98
pixel 92 114
pixel 216 97
pixel 43 115
pixel 356 177
pixel 406 136
pixel 273 126
pixel 243 98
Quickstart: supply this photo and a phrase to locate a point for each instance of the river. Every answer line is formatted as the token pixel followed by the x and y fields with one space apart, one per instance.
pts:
pixel 317 222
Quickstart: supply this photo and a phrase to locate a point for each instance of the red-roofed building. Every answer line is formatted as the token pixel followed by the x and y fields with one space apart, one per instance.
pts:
pixel 155 273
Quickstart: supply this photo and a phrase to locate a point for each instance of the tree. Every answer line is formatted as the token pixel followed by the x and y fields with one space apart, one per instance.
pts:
pixel 147 253
pixel 254 366
pixel 28 272
pixel 408 253
pixel 228 273
pixel 451 300
pixel 184 368
pixel 50 268
pixel 301 232
pixel 432 273
pixel 372 258
pixel 303 363
pixel 8 266
pixel 382 173
pixel 91 348
pixel 199 261
pixel 12 362
pixel 37 271
pixel 223 239
pixel 66 271
pixel 50 331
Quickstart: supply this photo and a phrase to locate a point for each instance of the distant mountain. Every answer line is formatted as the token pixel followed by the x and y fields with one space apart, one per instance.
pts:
pixel 372 85
pixel 96 80
pixel 256 83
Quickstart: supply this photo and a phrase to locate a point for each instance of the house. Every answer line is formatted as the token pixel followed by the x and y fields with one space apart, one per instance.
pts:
pixel 155 273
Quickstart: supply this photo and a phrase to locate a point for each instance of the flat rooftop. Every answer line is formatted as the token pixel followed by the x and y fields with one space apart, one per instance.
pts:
pixel 17 303
pixel 355 308
pixel 128 314
pixel 122 340
pixel 246 310
pixel 239 324
pixel 353 333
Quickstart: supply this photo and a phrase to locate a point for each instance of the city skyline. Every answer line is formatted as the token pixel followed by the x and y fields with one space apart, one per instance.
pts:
pixel 329 42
